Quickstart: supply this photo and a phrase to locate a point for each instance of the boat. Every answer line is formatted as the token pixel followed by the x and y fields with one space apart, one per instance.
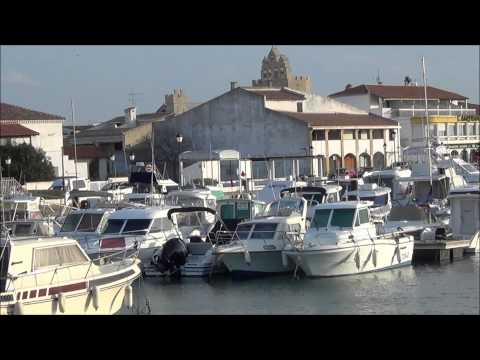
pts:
pixel 343 240
pixel 271 191
pixel 389 178
pixel 136 229
pixel 86 226
pixel 379 196
pixel 186 256
pixel 470 173
pixel 465 215
pixel 54 276
pixel 256 247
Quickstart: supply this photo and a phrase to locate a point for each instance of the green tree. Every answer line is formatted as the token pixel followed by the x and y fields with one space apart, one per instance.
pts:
pixel 28 163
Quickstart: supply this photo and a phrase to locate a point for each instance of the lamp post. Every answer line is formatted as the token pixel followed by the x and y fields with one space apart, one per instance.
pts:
pixel 114 166
pixel 179 138
pixel 385 154
pixel 334 158
pixel 8 161
pixel 132 159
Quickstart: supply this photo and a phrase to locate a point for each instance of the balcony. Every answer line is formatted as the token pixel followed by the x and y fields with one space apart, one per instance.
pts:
pixel 409 112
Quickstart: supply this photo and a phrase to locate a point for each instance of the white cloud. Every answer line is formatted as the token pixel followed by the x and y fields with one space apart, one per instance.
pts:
pixel 14 77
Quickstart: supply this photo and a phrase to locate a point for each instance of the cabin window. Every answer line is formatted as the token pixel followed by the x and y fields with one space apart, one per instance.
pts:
pixel 114 226
pixel 321 218
pixel 136 226
pixel 333 197
pixel 259 209
pixel 162 224
pixel 78 184
pixel 89 222
pixel 70 223
pixel 243 230
pixel 363 216
pixel 342 217
pixel 227 212
pixel 264 231
pixel 57 256
pixel 22 229
pixel 243 210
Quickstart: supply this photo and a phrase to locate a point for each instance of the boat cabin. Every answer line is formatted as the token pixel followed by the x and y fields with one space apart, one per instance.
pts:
pixel 341 216
pixel 273 228
pixel 380 196
pixel 85 222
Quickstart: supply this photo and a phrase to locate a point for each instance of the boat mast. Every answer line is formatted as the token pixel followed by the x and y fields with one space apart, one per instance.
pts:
pixel 74 139
pixel 428 124
pixel 153 162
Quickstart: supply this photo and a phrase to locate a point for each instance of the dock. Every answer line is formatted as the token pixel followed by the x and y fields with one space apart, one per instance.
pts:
pixel 439 251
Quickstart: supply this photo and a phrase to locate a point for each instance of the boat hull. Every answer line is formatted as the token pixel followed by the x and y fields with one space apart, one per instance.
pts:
pixel 354 259
pixel 261 263
pixel 108 300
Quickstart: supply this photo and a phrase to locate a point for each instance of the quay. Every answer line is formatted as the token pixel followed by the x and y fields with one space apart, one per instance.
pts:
pixel 439 251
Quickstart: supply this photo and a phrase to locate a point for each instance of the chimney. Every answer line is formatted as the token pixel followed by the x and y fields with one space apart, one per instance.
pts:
pixel 131 116
pixel 233 85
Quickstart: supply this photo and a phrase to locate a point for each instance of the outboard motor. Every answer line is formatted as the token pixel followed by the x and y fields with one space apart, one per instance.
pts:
pixel 172 255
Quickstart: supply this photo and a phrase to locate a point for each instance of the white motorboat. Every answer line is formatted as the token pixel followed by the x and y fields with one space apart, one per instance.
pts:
pixel 465 216
pixel 469 172
pixel 54 276
pixel 379 196
pixel 389 178
pixel 256 247
pixel 142 229
pixel 86 226
pixel 343 240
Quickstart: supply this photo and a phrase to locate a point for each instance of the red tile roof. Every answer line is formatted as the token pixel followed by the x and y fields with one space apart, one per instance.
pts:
pixel 15 130
pixel 12 112
pixel 85 152
pixel 341 119
pixel 277 94
pixel 400 92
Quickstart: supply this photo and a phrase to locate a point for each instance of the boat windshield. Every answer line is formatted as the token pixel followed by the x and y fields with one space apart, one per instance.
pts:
pixel 114 226
pixel 384 181
pixel 188 201
pixel 318 197
pixel 136 226
pixel 89 222
pixel 243 230
pixel 264 231
pixel 321 218
pixel 469 168
pixel 71 222
pixel 285 207
pixel 342 217
pixel 23 229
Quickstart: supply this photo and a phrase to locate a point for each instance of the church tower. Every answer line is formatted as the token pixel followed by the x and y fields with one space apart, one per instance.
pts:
pixel 276 72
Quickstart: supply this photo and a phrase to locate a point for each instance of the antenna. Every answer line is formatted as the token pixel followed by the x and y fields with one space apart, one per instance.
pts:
pixel 379 82
pixel 131 97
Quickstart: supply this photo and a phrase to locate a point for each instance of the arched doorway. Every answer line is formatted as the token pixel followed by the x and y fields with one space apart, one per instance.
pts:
pixel 334 164
pixel 454 153
pixel 365 160
pixel 350 162
pixel 464 155
pixel 378 161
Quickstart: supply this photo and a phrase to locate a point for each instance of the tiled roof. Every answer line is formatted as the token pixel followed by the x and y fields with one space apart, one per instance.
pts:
pixel 15 130
pixel 277 94
pixel 85 152
pixel 13 112
pixel 400 92
pixel 341 119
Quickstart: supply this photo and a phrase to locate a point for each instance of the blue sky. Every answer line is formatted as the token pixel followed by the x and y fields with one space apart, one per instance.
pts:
pixel 99 78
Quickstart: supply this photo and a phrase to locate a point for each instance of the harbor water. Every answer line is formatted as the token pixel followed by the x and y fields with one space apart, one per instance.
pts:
pixel 451 288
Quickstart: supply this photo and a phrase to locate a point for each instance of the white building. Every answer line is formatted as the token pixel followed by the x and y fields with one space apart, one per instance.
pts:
pixel 406 104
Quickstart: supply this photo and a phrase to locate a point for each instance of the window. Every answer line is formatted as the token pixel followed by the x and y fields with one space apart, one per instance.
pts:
pixel 136 226
pixel 228 170
pixel 321 218
pixel 189 219
pixel 318 135
pixel 243 210
pixel 377 134
pixel 392 135
pixel 348 134
pixel 363 216
pixel 259 170
pixel 23 229
pixel 89 222
pixel 460 129
pixel 227 212
pixel 299 107
pixel 243 230
pixel 162 224
pixel 451 130
pixel 334 135
pixel 363 134
pixel 283 168
pixel 56 256
pixel 342 217
pixel 114 226
pixel 78 184
pixel 441 130
pixel 470 129
pixel 332 197
pixel 264 231
pixel 70 223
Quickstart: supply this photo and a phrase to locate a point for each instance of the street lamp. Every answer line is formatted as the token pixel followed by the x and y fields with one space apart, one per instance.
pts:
pixel 112 157
pixel 179 138
pixel 8 161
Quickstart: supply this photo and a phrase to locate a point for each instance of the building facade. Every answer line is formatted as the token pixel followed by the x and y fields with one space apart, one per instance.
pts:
pixel 453 121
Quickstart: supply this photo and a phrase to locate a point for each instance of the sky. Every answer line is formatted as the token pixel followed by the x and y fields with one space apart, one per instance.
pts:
pixel 99 78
